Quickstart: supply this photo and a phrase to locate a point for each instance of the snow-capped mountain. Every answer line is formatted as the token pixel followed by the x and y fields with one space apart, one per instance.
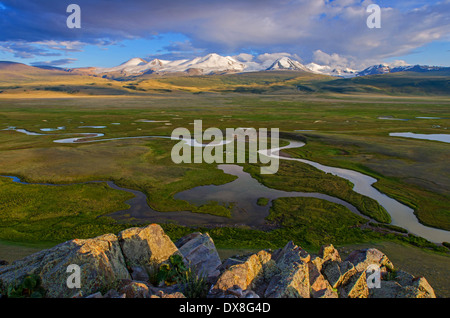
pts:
pixel 384 69
pixel 209 64
pixel 286 63
pixel 217 64
pixel 328 70
pixel 375 70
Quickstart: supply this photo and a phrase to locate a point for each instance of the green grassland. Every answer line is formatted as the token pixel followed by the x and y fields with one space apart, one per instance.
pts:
pixel 346 132
pixel 43 213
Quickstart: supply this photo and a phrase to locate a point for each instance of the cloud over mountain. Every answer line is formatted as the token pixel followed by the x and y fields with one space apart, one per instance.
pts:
pixel 301 27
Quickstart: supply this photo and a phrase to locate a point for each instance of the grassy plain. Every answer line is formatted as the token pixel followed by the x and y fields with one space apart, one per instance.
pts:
pixel 346 133
pixel 339 119
pixel 340 130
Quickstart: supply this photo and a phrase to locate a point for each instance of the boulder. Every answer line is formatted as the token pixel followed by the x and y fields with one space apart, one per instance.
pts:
pixel 135 290
pixel 415 288
pixel 361 259
pixel 320 287
pixel 290 253
pixel 337 273
pixel 420 288
pixel 162 294
pixel 292 282
pixel 404 278
pixel 246 275
pixel 355 287
pixel 146 245
pixel 328 252
pixel 389 289
pixel 100 260
pixel 200 252
pixel 139 273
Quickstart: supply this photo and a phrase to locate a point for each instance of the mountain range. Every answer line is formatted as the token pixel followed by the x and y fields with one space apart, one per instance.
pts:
pixel 216 64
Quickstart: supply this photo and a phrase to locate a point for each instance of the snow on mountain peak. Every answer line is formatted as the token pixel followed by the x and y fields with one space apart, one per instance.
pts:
pixel 286 63
pixel 214 63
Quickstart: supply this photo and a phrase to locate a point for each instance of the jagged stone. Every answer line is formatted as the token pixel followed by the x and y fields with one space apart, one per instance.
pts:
pixel 337 273
pixel 328 252
pixel 135 290
pixel 100 260
pixel 420 288
pixel 230 262
pixel 246 275
pixel 162 294
pixel 106 262
pixel 320 287
pixel 388 289
pixel 200 252
pixel 289 254
pixel 355 287
pixel 3 263
pixel 292 282
pixel 403 278
pixel 139 273
pixel 361 259
pixel 146 245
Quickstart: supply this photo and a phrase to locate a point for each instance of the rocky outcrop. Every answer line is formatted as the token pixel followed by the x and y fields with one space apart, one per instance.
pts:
pixel 200 252
pixel 146 245
pixel 100 260
pixel 144 263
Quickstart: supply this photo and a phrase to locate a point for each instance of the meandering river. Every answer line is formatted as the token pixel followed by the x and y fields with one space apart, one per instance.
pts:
pixel 245 191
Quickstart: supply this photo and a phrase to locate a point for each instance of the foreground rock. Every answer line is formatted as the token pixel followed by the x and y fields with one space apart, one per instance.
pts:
pixel 100 260
pixel 139 263
pixel 200 252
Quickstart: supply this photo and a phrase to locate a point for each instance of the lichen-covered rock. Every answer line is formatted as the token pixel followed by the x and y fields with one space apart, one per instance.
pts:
pixel 135 290
pixel 246 275
pixel 404 278
pixel 361 259
pixel 337 273
pixel 420 288
pixel 328 252
pixel 388 289
pixel 200 252
pixel 320 287
pixel 146 245
pixel 139 273
pixel 403 288
pixel 162 294
pixel 291 282
pixel 100 260
pixel 291 253
pixel 355 287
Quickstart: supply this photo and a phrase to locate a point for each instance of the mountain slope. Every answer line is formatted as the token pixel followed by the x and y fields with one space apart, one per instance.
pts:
pixel 285 63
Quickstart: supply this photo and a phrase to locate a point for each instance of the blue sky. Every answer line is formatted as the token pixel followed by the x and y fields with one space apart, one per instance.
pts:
pixel 323 31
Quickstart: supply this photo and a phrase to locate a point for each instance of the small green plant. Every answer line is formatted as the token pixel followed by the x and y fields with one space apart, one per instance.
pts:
pixel 193 285
pixel 29 287
pixel 390 275
pixel 170 272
